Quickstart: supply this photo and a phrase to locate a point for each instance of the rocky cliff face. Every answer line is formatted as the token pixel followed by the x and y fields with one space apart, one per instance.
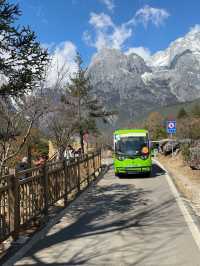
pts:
pixel 134 87
pixel 191 41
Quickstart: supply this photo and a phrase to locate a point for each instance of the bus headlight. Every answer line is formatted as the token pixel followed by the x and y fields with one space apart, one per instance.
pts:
pixel 121 158
pixel 144 156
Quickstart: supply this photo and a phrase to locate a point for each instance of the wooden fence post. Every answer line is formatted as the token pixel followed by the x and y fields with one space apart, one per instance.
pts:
pixel 14 195
pixel 88 170
pixel 97 161
pixel 100 159
pixel 94 165
pixel 79 175
pixel 45 189
pixel 65 169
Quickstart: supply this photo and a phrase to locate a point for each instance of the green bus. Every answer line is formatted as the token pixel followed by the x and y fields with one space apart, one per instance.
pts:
pixel 132 152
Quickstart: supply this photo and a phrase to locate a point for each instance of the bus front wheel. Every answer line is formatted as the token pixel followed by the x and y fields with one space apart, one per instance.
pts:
pixel 148 174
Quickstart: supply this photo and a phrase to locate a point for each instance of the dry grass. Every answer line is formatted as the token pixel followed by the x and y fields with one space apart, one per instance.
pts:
pixel 178 167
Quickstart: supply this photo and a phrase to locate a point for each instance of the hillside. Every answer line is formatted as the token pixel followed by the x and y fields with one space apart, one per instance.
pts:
pixel 172 110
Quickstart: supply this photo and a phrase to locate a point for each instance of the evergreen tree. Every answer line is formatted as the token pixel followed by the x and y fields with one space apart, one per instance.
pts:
pixel 196 110
pixel 156 126
pixel 182 113
pixel 80 96
pixel 22 60
pixel 22 66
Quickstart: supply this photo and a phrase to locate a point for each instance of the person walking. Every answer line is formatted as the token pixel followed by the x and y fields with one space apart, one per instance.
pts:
pixel 22 166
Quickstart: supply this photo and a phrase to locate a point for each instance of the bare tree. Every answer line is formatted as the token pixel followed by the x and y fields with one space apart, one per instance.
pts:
pixel 61 126
pixel 17 118
pixel 58 121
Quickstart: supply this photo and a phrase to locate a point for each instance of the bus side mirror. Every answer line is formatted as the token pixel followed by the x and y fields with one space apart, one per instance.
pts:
pixel 150 144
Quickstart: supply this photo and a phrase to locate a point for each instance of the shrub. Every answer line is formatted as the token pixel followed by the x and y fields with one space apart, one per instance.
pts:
pixel 185 149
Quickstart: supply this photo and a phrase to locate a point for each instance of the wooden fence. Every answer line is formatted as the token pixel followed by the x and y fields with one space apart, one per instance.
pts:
pixel 28 195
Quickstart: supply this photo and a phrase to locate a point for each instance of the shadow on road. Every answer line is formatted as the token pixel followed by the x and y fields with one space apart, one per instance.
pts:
pixel 105 209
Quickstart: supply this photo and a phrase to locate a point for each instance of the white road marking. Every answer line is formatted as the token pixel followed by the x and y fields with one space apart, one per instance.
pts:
pixel 188 218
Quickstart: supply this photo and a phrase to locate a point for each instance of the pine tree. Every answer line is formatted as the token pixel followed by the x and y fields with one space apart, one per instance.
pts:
pixel 80 96
pixel 182 113
pixel 156 126
pixel 22 66
pixel 22 60
pixel 196 110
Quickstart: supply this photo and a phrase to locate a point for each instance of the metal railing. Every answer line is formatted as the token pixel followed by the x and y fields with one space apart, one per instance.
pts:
pixel 28 195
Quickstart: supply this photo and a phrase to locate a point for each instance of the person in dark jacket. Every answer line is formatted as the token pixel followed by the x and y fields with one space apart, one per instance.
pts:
pixel 22 166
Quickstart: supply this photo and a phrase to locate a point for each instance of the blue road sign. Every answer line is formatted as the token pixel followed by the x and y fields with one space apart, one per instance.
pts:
pixel 171 127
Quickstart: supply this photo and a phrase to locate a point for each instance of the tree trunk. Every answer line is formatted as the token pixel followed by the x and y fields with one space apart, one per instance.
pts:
pixel 81 141
pixel 29 155
pixel 1 168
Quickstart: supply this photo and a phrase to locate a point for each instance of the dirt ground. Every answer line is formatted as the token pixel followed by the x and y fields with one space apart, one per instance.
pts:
pixel 186 179
pixel 179 167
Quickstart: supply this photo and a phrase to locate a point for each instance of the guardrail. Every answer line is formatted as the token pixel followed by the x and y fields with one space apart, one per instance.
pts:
pixel 28 195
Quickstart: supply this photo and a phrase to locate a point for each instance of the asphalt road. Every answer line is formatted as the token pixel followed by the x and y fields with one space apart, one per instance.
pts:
pixel 127 221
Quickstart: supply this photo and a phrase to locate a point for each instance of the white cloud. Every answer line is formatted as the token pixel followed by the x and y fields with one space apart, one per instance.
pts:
pixel 87 38
pixel 120 35
pixel 109 4
pixel 102 40
pixel 100 21
pixel 62 63
pixel 141 51
pixel 106 33
pixel 151 14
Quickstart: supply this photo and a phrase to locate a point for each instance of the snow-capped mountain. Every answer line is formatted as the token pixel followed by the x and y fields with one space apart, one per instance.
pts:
pixel 134 87
pixel 191 41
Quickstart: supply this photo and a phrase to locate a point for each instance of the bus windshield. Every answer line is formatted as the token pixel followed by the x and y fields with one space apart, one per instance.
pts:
pixel 130 145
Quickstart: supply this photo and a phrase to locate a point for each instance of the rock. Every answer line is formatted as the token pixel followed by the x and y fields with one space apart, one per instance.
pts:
pixel 194 157
pixel 171 146
pixel 166 146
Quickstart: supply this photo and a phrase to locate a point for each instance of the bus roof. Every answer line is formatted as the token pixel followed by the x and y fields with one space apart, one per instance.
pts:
pixel 126 131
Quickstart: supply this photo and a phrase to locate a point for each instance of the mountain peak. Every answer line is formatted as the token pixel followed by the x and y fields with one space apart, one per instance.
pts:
pixel 191 41
pixel 194 31
pixel 105 53
pixel 126 82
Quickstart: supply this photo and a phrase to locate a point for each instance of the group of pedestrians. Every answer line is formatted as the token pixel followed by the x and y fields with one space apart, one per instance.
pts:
pixel 70 153
pixel 40 160
pixel 24 164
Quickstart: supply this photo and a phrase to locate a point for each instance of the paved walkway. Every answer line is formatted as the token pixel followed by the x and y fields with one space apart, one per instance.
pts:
pixel 128 221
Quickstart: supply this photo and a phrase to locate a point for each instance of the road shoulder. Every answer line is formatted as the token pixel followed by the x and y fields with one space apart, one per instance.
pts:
pixel 176 186
pixel 188 185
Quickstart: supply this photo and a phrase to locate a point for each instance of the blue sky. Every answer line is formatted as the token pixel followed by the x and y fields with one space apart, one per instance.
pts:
pixel 89 25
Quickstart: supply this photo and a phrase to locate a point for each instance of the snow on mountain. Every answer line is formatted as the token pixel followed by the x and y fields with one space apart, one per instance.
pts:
pixel 191 41
pixel 134 87
pixel 3 80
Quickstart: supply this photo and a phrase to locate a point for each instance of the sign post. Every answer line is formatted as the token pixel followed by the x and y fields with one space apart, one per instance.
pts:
pixel 171 129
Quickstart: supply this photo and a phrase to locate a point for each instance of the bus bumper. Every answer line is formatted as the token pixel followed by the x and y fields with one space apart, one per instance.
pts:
pixel 132 170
